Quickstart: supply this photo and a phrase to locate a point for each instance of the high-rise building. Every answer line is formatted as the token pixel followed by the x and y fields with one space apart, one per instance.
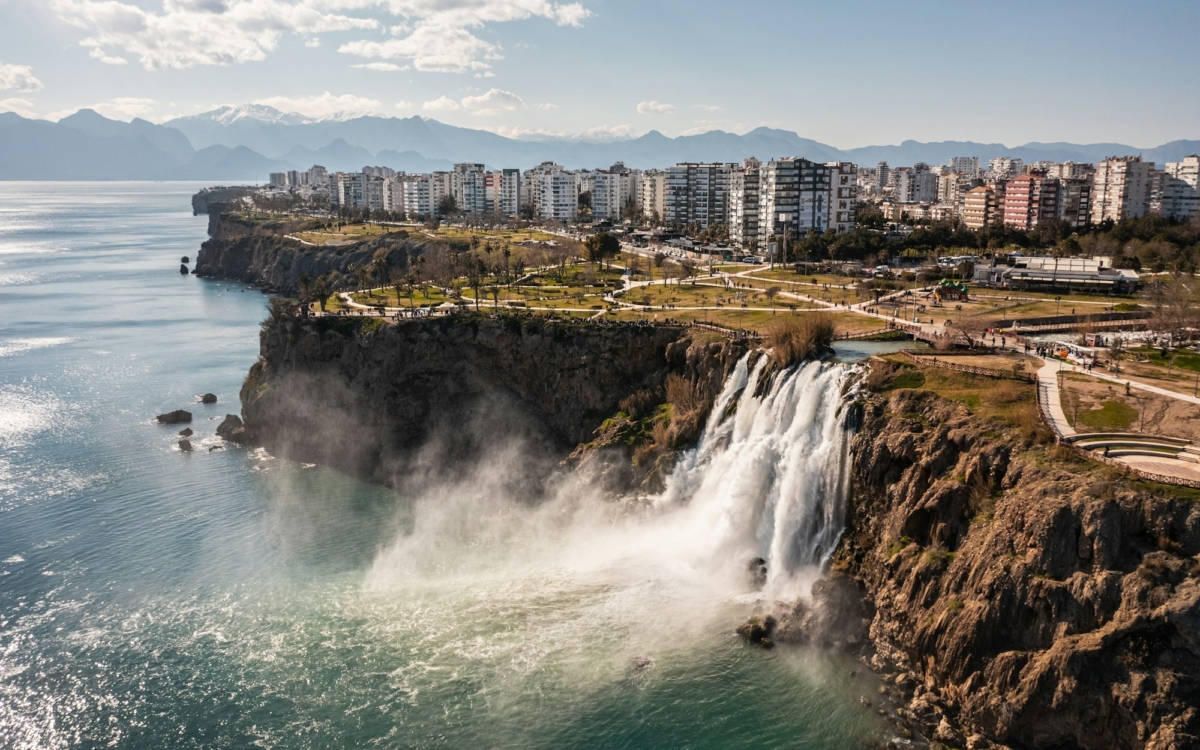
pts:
pixel 441 187
pixel 317 176
pixel 509 192
pixel 843 198
pixel 697 194
pixel 1005 166
pixel 916 184
pixel 979 207
pixel 416 196
pixel 1121 188
pixel 1030 199
pixel 1075 201
pixel 743 204
pixel 1175 192
pixel 652 192
pixel 882 174
pixel 279 179
pixel 793 198
pixel 612 189
pixel 552 191
pixel 469 188
pixel 965 165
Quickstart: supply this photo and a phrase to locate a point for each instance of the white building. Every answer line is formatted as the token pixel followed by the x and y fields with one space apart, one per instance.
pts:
pixel 1176 193
pixel 1006 166
pixel 417 197
pixel 552 191
pixel 794 196
pixel 440 188
pixel 744 184
pixel 965 165
pixel 469 188
pixel 652 191
pixel 508 192
pixel 1121 188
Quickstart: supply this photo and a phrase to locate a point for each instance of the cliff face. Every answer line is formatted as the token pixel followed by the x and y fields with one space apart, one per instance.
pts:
pixel 1026 596
pixel 266 258
pixel 369 398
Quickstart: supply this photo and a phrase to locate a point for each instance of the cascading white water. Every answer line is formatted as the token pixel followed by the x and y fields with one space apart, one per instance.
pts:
pixel 768 478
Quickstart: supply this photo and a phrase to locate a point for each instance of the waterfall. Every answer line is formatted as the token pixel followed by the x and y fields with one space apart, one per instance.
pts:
pixel 768 476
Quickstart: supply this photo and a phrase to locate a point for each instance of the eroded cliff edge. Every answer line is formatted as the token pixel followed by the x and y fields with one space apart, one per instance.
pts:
pixel 1022 596
pixel 371 398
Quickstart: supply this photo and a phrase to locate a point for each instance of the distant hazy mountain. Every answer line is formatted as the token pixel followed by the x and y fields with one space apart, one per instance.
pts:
pixel 88 146
pixel 248 142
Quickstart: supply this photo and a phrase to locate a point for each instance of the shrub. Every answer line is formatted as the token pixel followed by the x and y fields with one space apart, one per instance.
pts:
pixel 796 338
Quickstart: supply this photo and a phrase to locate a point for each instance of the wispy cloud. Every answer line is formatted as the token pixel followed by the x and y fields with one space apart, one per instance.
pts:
pixel 493 102
pixel 22 107
pixel 442 39
pixel 441 104
pixel 655 108
pixel 383 67
pixel 18 78
pixel 120 108
pixel 186 33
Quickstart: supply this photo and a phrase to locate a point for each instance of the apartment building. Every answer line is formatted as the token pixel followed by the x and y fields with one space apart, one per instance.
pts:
pixel 697 194
pixel 1075 201
pixel 441 187
pixel 883 175
pixel 1006 166
pixel 468 185
pixel 979 207
pixel 843 198
pixel 915 184
pixel 743 204
pixel 652 191
pixel 417 201
pixel 1121 188
pixel 1030 199
pixel 317 176
pixel 612 189
pixel 794 196
pixel 552 191
pixel 508 192
pixel 965 165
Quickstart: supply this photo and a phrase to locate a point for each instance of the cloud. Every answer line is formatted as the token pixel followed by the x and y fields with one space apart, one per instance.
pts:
pixel 22 107
pixel 441 40
pixel 441 104
pixel 121 108
pixel 493 102
pixel 18 78
pixel 708 107
pixel 314 42
pixel 654 108
pixel 404 105
pixel 381 66
pixel 106 58
pixel 186 33
pixel 325 105
pixel 546 105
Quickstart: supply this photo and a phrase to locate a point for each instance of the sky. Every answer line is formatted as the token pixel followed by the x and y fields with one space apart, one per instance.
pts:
pixel 846 72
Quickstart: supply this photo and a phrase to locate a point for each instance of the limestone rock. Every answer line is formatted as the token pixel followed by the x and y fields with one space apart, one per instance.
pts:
pixel 185 446
pixel 179 416
pixel 208 398
pixel 232 429
pixel 186 432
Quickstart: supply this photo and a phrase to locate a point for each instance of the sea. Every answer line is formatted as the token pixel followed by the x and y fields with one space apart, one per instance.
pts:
pixel 224 598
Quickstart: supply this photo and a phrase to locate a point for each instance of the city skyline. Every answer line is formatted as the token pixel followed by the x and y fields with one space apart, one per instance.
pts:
pixel 600 69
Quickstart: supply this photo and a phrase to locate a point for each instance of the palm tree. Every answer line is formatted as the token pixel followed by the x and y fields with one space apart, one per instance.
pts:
pixel 321 290
pixel 305 292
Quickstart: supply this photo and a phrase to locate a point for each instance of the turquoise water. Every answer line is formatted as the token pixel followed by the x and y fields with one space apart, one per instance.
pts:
pixel 225 599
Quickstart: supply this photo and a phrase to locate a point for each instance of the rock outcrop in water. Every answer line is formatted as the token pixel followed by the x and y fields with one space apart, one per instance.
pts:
pixel 1022 595
pixel 179 416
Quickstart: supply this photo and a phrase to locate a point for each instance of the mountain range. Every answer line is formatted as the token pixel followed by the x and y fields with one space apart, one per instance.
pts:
pixel 246 143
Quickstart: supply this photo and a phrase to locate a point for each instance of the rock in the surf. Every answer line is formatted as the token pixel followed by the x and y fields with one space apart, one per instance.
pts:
pixel 208 398
pixel 179 416
pixel 185 446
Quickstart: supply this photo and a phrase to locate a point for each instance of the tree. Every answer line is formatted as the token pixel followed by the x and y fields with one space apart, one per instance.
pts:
pixel 475 277
pixel 602 245
pixel 397 280
pixel 772 292
pixel 447 206
pixel 321 290
pixel 688 269
pixel 305 293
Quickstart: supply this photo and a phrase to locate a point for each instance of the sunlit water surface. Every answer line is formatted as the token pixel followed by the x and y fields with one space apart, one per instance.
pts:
pixel 152 599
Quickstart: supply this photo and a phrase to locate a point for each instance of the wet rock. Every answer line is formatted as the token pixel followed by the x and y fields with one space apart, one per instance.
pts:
pixel 212 448
pixel 758 572
pixel 232 429
pixel 183 270
pixel 185 446
pixel 758 630
pixel 640 663
pixel 186 432
pixel 185 259
pixel 179 416
pixel 208 398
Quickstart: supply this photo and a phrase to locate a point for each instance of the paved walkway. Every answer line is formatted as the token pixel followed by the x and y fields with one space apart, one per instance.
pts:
pixel 1166 466
pixel 1051 399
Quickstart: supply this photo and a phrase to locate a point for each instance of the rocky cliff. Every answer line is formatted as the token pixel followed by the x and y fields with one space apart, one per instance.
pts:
pixel 262 254
pixel 371 398
pixel 1022 596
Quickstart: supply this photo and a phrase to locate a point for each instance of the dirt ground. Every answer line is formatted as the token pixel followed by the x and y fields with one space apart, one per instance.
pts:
pixel 1150 413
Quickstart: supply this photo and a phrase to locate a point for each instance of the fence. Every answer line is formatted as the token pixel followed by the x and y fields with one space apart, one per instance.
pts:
pixel 973 369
